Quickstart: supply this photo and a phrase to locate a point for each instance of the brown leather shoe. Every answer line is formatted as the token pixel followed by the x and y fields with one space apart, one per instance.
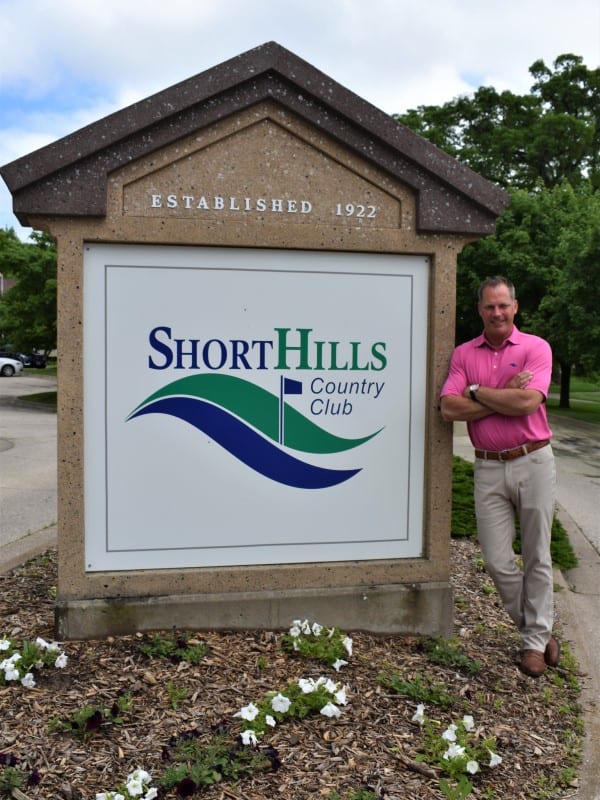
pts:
pixel 533 663
pixel 552 652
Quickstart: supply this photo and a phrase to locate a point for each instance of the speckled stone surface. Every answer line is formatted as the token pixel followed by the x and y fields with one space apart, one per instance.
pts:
pixel 263 126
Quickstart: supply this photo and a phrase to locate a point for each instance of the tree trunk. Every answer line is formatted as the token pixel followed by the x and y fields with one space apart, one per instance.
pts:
pixel 565 383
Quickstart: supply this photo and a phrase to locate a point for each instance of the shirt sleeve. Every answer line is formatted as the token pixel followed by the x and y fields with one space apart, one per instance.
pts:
pixel 457 378
pixel 539 362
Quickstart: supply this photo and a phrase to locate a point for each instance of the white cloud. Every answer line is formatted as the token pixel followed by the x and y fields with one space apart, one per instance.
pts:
pixel 84 60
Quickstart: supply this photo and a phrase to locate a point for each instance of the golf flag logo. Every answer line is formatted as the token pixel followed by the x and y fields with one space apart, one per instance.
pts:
pixel 256 426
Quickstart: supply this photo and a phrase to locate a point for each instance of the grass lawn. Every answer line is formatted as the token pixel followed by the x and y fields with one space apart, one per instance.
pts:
pixel 584 401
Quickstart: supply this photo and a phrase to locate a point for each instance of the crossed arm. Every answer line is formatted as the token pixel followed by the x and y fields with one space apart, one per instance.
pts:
pixel 514 400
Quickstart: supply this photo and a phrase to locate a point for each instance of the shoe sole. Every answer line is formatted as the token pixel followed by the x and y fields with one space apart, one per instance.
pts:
pixel 531 674
pixel 557 662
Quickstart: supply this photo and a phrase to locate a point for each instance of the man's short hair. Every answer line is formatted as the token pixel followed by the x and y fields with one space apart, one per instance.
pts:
pixel 492 283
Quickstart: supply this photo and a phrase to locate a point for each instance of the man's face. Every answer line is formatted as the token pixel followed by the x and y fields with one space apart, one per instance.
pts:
pixel 497 310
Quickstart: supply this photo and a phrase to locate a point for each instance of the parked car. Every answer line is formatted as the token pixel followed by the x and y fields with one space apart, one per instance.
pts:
pixel 36 360
pixel 10 366
pixel 27 359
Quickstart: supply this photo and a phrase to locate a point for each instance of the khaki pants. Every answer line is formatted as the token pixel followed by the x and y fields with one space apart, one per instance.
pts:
pixel 525 485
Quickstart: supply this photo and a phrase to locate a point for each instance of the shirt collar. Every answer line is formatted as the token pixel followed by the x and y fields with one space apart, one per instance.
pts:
pixel 513 338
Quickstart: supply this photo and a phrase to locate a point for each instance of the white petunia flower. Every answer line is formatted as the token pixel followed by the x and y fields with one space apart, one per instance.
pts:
pixel 295 631
pixel 249 738
pixel 140 775
pixel 330 686
pixel 135 787
pixel 472 767
pixel 494 759
pixel 281 703
pixel 316 629
pixel 307 685
pixel 347 642
pixel 331 710
pixel 468 722
pixel 28 681
pixel 454 751
pixel 248 712
pixel 50 646
pixel 337 665
pixel 419 715
pixel 151 793
pixel 4 644
pixel 340 696
pixel 10 671
pixel 270 721
pixel 450 733
pixel 61 661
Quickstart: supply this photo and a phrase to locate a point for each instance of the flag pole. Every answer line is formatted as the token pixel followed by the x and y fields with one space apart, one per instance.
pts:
pixel 281 412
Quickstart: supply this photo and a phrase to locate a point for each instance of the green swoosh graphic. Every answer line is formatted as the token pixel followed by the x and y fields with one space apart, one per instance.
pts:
pixel 259 408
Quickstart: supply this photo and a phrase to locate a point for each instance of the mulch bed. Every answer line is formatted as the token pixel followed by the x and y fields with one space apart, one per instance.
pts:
pixel 373 744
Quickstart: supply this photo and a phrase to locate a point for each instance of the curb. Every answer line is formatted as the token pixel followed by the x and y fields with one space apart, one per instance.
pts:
pixel 21 550
pixel 578 610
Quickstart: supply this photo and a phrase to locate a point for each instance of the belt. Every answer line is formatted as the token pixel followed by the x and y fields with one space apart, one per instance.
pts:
pixel 508 455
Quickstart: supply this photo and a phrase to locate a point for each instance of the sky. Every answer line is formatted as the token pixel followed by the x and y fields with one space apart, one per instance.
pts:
pixel 67 63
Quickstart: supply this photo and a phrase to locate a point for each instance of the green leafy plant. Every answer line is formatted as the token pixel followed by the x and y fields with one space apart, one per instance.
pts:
pixel 10 779
pixel 364 793
pixel 457 791
pixel 199 765
pixel 312 640
pixel 176 647
pixel 94 718
pixel 458 752
pixel 299 699
pixel 445 652
pixel 176 695
pixel 137 785
pixel 18 664
pixel 420 688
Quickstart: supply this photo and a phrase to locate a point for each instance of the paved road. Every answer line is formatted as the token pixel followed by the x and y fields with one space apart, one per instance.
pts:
pixel 577 450
pixel 27 459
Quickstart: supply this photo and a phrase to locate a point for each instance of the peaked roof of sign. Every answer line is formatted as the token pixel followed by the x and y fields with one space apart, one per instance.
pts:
pixel 68 177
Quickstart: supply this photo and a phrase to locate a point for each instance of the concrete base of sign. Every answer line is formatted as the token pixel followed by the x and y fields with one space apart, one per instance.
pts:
pixel 425 609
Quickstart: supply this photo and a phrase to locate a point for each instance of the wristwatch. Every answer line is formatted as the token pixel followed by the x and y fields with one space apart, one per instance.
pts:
pixel 472 391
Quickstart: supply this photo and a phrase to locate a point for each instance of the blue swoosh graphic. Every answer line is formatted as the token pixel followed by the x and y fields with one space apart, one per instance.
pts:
pixel 246 444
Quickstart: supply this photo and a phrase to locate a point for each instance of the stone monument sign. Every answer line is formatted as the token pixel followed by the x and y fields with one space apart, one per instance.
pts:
pixel 256 282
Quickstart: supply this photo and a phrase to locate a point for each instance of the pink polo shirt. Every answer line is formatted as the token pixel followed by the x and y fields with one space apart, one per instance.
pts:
pixel 477 361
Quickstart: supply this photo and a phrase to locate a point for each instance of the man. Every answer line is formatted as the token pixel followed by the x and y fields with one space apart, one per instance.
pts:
pixel 498 383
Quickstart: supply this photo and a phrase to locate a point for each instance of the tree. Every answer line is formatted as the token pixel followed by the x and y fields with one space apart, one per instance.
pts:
pixel 551 134
pixel 28 309
pixel 568 313
pixel 544 148
pixel 548 243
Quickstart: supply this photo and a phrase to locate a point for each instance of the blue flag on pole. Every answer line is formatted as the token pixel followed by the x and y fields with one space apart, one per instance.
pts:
pixel 290 386
pixel 286 386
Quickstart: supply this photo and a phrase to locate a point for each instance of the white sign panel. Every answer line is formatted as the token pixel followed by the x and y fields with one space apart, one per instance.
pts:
pixel 252 406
